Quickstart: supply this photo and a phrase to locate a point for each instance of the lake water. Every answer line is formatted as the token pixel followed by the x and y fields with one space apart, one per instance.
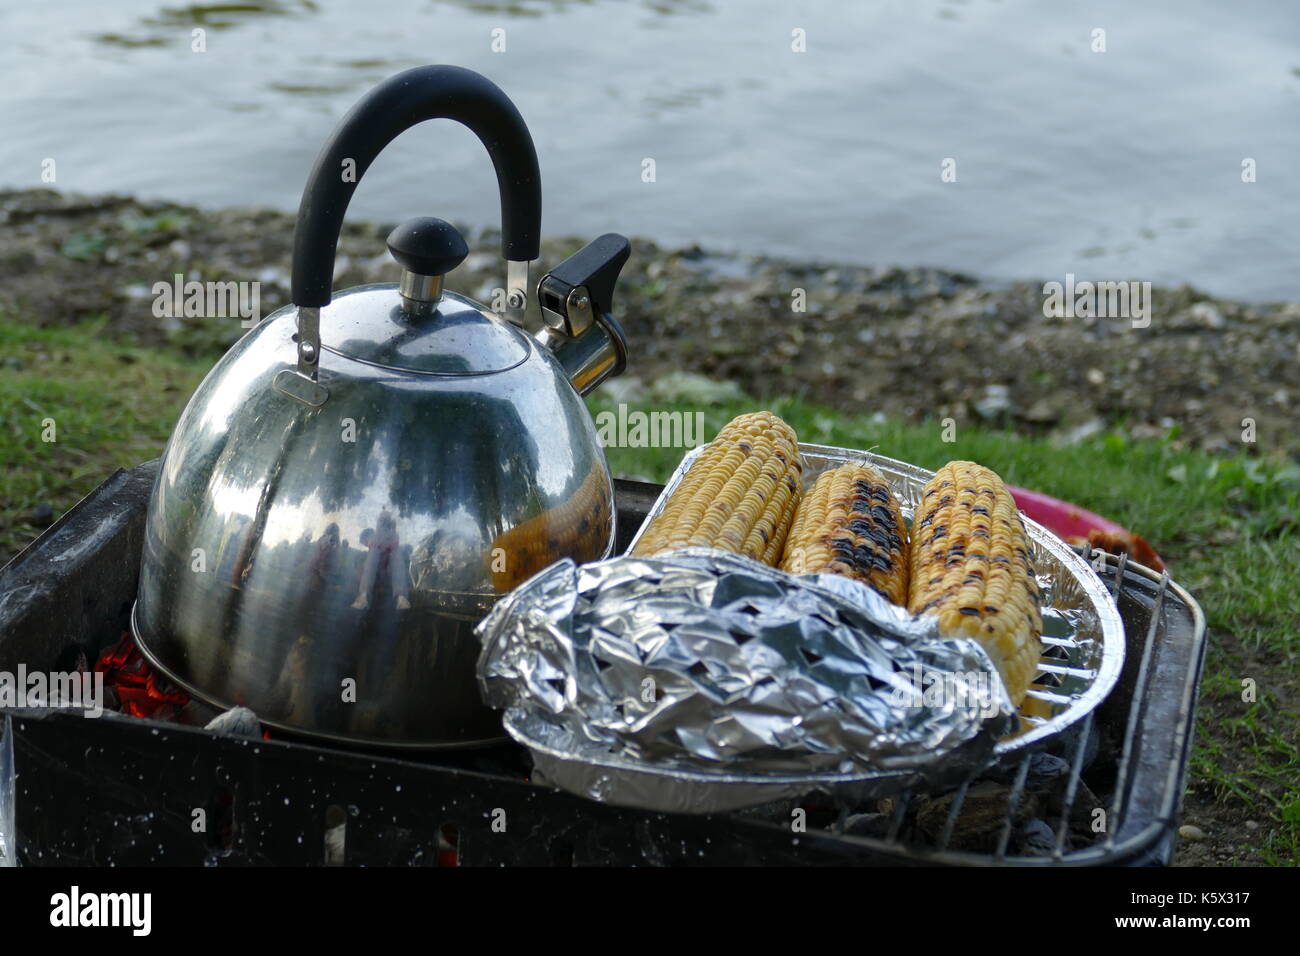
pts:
pixel 1123 164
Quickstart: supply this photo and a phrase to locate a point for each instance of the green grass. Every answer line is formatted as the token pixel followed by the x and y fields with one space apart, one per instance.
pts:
pixel 111 405
pixel 1226 525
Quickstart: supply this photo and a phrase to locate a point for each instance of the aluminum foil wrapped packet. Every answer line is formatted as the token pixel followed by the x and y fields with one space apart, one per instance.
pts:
pixel 707 663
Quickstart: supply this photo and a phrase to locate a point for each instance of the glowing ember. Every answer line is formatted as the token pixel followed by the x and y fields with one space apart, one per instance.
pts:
pixel 140 692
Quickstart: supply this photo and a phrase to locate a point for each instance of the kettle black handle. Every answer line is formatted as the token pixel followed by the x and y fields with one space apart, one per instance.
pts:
pixel 387 111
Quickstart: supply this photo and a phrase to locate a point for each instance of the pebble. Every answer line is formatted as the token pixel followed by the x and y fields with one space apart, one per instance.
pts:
pixel 238 721
pixel 274 276
pixel 1252 824
pixel 1209 315
pixel 1189 831
pixel 42 516
pixel 996 401
pixel 1044 411
pixel 1082 432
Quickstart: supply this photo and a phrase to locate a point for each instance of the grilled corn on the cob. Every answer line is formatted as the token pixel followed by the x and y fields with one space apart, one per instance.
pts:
pixel 739 495
pixel 971 566
pixel 850 523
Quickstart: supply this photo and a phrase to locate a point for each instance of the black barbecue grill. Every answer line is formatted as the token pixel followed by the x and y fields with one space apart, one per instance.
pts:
pixel 123 790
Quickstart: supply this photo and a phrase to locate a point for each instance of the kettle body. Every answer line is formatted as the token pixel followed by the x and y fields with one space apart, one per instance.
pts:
pixel 358 480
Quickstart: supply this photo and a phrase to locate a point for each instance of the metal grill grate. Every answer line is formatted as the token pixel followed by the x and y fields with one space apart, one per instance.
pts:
pixel 1145 630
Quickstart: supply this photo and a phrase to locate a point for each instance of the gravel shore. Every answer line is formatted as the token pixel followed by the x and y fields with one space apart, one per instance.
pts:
pixel 912 343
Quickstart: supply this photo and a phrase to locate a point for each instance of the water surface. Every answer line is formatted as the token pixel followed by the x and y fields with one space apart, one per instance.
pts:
pixel 1122 164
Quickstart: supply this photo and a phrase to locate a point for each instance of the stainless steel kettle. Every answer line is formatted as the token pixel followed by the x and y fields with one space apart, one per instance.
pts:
pixel 361 476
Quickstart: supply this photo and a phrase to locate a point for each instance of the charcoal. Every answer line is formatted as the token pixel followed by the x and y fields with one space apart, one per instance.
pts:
pixel 983 815
pixel 1045 771
pixel 1082 814
pixel 1037 838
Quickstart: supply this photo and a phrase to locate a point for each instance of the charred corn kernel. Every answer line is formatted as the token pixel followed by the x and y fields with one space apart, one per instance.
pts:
pixel 971 566
pixel 850 523
pixel 739 494
pixel 579 529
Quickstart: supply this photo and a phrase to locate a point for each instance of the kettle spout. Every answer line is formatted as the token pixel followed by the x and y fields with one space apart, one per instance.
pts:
pixel 590 358
pixel 576 299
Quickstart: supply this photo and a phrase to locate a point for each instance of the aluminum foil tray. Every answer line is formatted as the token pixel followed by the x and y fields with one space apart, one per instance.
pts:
pixel 606 777
pixel 1083 635
pixel 765 685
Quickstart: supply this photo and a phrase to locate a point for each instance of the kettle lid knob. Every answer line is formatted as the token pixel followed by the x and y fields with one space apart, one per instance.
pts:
pixel 426 249
pixel 427 246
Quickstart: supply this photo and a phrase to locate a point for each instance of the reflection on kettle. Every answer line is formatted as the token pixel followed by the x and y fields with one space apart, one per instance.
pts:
pixel 293 685
pixel 575 526
pixel 326 553
pixel 383 564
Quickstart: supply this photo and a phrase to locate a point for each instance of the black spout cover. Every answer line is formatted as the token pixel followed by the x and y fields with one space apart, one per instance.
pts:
pixel 596 265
